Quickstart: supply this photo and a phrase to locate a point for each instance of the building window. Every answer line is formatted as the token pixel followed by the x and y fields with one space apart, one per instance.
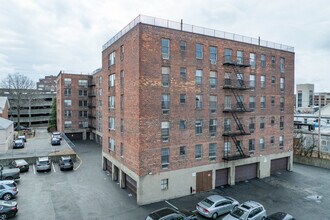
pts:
pixel 239 57
pixel 251 145
pixel 83 83
pixel 165 48
pixel 299 99
pixel 199 76
pixel 281 142
pixel 198 151
pixel 213 127
pixel 182 98
pixel 182 124
pixel 273 61
pixel 262 102
pixel 165 131
pixel 282 64
pixel 67 82
pixel 263 60
pixel 112 80
pixel 252 83
pixel 227 147
pixel 282 84
pixel 182 151
pixel 121 150
pixel 281 122
pixel 83 124
pixel 165 103
pixel 165 158
pixel 67 103
pixel 164 184
pixel 112 144
pixel 83 103
pixel 252 103
pixel 240 102
pixel 83 114
pixel 262 122
pixel 112 123
pixel 183 73
pixel 122 79
pixel 272 140
pixel 165 76
pixel 212 151
pixel 112 58
pixel 199 126
pixel 67 92
pixel 122 50
pixel 213 80
pixel 199 103
pixel 121 102
pixel 272 121
pixel 282 104
pixel 82 92
pixel 252 125
pixel 227 102
pixel 240 80
pixel 67 113
pixel 199 51
pixel 253 60
pixel 273 100
pixel 213 103
pixel 121 125
pixel 228 56
pixel 273 80
pixel 67 124
pixel 227 124
pixel 263 82
pixel 183 46
pixel 112 102
pixel 213 55
pixel 261 144
pixel 100 91
pixel 227 79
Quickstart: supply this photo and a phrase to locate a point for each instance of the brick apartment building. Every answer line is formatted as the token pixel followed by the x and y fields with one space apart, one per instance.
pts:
pixel 4 107
pixel 48 83
pixel 79 105
pixel 187 109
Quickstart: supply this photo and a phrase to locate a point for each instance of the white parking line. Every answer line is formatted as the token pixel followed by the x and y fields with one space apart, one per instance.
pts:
pixel 34 169
pixel 171 204
pixel 79 164
pixel 53 167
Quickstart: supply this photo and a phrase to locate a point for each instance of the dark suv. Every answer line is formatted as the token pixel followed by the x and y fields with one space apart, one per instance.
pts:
pixel 169 214
pixel 65 163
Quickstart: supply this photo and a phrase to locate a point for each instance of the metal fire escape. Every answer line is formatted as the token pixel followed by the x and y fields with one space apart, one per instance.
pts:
pixel 237 88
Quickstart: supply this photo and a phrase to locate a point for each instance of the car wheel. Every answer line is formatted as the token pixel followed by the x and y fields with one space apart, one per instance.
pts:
pixel 215 215
pixel 9 178
pixel 3 217
pixel 7 196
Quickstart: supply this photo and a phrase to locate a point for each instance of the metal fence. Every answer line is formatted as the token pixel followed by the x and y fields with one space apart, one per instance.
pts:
pixel 194 29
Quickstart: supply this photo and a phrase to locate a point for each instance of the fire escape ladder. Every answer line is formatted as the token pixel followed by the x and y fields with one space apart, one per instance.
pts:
pixel 240 105
pixel 240 80
pixel 239 124
pixel 238 146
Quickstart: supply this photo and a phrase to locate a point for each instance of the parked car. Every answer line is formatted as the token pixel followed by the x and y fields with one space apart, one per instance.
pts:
pixel 9 174
pixel 8 189
pixel 57 134
pixel 43 164
pixel 8 209
pixel 216 205
pixel 65 163
pixel 280 216
pixel 169 214
pixel 248 210
pixel 18 144
pixel 22 165
pixel 55 141
pixel 21 128
pixel 22 137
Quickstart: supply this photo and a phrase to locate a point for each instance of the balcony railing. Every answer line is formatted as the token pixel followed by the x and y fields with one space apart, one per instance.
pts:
pixel 194 29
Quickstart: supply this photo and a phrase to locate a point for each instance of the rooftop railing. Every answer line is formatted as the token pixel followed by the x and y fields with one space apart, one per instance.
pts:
pixel 194 29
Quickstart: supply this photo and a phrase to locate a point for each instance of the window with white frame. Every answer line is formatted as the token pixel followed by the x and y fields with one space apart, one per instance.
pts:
pixel 228 53
pixel 213 103
pixel 67 103
pixel 198 151
pixel 227 102
pixel 67 113
pixel 165 48
pixel 112 102
pixel 183 45
pixel 227 147
pixel 227 124
pixel 262 102
pixel 282 104
pixel 251 145
pixel 67 124
pixel 83 82
pixel 112 144
pixel 262 122
pixel 252 82
pixel 199 126
pixel 281 142
pixel 262 144
pixel 165 76
pixel 253 60
pixel 281 122
pixel 165 131
pixel 67 81
pixel 252 103
pixel 212 151
pixel 213 55
pixel 67 92
pixel 252 125
pixel 282 64
pixel 165 158
pixel 263 60
pixel 263 81
pixel 199 103
pixel 227 79
pixel 213 127
pixel 213 79
pixel 164 184
pixel 239 57
pixel 121 150
pixel 282 84
pixel 112 123
pixel 112 80
pixel 112 58
pixel 199 77
pixel 199 51
pixel 165 103
pixel 183 73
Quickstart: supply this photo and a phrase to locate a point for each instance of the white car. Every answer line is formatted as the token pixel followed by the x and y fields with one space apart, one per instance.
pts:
pixel 250 210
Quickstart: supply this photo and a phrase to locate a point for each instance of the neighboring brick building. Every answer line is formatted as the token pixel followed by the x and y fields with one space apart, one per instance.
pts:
pixel 78 105
pixel 189 109
pixel 48 83
pixel 4 107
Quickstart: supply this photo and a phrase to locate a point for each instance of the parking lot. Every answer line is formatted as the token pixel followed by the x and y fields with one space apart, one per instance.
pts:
pixel 88 193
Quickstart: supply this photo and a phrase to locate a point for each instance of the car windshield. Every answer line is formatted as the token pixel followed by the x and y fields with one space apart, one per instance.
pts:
pixel 238 213
pixel 67 160
pixel 18 141
pixel 207 202
pixel 43 162
pixel 11 184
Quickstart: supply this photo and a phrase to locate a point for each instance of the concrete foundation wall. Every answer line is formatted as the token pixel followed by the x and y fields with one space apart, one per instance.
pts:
pixel 312 161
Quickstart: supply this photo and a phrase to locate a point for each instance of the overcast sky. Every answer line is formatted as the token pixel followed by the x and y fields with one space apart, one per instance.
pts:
pixel 42 37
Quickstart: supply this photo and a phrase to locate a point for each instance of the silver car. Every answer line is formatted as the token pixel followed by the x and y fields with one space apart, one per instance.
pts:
pixel 248 210
pixel 216 205
pixel 43 164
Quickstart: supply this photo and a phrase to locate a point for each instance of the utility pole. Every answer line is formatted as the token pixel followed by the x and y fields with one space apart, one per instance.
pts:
pixel 319 131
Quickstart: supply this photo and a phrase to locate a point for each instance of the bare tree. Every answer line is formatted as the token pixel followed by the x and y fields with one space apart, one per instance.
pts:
pixel 21 89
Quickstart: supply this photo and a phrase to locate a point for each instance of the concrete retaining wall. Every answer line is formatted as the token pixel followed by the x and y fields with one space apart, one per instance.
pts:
pixel 32 160
pixel 312 161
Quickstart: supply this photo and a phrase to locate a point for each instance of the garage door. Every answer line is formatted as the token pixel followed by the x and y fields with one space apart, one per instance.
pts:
pixel 278 165
pixel 203 181
pixel 74 136
pixel 221 177
pixel 130 185
pixel 108 165
pixel 246 172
